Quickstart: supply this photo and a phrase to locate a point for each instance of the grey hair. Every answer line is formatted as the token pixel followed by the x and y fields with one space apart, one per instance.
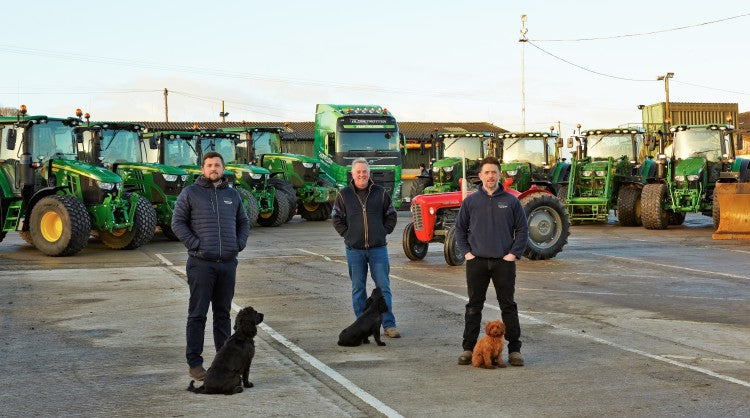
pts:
pixel 361 160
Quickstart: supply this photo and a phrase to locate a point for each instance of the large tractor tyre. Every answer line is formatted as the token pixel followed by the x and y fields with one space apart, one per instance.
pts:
pixel 251 206
pixel 2 235
pixel 59 225
pixel 675 218
pixel 280 212
pixel 715 210
pixel 413 247
pixel 168 232
pixel 549 226
pixel 26 236
pixel 418 185
pixel 629 206
pixel 562 193
pixel 315 211
pixel 453 255
pixel 144 226
pixel 287 189
pixel 653 214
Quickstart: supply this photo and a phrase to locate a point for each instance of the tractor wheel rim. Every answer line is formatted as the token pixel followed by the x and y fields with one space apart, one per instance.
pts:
pixel 51 226
pixel 119 232
pixel 543 230
pixel 311 207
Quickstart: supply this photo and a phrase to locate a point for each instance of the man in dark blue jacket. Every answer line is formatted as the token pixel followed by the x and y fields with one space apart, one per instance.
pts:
pixel 363 215
pixel 211 222
pixel 491 232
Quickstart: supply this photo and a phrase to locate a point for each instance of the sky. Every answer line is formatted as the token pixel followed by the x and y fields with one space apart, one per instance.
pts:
pixel 423 60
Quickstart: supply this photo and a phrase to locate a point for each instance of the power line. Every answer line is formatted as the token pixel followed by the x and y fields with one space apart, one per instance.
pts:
pixel 712 88
pixel 630 35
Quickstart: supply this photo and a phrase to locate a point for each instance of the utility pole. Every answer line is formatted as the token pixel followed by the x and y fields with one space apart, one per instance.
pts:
pixel 523 40
pixel 667 115
pixel 166 107
pixel 223 114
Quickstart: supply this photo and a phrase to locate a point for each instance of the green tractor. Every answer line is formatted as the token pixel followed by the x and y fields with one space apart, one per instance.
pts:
pixel 55 201
pixel 532 159
pixel 450 151
pixel 689 168
pixel 608 171
pixel 119 146
pixel 298 176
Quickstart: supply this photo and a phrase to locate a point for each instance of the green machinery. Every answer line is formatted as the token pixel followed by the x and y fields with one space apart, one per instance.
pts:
pixel 119 146
pixel 450 151
pixel 346 132
pixel 185 149
pixel 608 171
pixel 689 167
pixel 55 201
pixel 296 175
pixel 532 159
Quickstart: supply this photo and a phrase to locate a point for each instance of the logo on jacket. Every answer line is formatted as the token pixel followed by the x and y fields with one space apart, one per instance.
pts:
pixel 502 205
pixel 228 200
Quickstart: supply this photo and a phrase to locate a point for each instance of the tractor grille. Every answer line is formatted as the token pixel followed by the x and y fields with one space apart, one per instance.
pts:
pixel 91 193
pixel 416 215
pixel 386 179
pixel 170 188
pixel 255 184
pixel 308 175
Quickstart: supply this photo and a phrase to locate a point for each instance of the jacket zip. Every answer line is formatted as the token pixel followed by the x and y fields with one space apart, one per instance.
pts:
pixel 364 213
pixel 218 220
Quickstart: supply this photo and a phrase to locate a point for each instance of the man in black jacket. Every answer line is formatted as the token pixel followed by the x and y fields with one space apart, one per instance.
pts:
pixel 363 215
pixel 211 222
pixel 492 233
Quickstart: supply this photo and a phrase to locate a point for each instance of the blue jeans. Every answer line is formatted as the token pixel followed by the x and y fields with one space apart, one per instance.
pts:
pixel 377 260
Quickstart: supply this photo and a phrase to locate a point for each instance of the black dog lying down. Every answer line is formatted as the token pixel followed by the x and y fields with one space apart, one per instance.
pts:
pixel 230 369
pixel 366 324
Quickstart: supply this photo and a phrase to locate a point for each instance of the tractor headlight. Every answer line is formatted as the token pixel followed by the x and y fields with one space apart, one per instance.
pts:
pixel 511 172
pixel 679 178
pixel 435 169
pixel 586 173
pixel 170 177
pixel 448 169
pixel 600 173
pixel 105 185
pixel 693 177
pixel 308 165
pixel 256 176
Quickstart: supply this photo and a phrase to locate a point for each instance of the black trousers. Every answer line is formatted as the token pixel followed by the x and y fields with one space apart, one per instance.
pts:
pixel 211 283
pixel 479 272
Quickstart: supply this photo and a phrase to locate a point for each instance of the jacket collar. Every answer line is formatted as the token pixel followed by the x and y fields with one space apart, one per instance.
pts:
pixel 370 183
pixel 204 182
pixel 500 190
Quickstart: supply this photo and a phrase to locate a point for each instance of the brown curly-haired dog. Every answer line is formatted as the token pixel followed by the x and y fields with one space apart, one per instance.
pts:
pixel 488 349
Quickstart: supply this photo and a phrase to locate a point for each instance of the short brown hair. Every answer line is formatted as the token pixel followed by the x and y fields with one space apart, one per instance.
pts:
pixel 211 154
pixel 489 160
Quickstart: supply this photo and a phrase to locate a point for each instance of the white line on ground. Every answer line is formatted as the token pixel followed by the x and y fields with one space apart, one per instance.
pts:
pixel 640 261
pixel 312 361
pixel 580 335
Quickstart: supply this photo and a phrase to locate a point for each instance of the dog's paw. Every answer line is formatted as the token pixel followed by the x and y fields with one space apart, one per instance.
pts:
pixel 366 341
pixel 248 384
pixel 502 365
pixel 380 343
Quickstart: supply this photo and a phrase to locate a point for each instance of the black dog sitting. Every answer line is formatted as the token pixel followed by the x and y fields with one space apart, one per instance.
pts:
pixel 230 369
pixel 366 324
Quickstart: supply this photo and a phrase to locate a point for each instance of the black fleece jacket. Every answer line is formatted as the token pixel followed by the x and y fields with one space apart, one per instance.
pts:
pixel 363 216
pixel 211 221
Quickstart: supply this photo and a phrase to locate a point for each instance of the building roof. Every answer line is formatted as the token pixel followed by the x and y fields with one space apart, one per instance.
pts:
pixel 306 130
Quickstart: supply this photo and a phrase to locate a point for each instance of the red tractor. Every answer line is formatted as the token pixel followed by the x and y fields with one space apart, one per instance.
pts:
pixel 434 217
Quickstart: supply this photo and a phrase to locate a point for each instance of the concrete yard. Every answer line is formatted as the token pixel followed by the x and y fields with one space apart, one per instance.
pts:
pixel 623 322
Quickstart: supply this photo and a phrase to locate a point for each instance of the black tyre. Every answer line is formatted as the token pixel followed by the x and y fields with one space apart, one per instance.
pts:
pixel 285 187
pixel 629 205
pixel 167 231
pixel 279 214
pixel 251 206
pixel 453 256
pixel 675 218
pixel 59 225
pixel 653 214
pixel 418 185
pixel 144 227
pixel 549 226
pixel 715 210
pixel 2 235
pixel 26 236
pixel 562 193
pixel 413 247
pixel 315 211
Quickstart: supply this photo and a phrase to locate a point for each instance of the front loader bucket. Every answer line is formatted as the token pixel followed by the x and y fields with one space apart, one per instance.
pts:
pixel 734 211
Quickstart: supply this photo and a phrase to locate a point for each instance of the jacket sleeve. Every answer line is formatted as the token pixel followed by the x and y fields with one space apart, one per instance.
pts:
pixel 181 221
pixel 243 224
pixel 462 227
pixel 338 215
pixel 390 217
pixel 520 229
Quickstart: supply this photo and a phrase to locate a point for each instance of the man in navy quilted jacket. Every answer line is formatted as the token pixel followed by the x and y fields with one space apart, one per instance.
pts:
pixel 211 222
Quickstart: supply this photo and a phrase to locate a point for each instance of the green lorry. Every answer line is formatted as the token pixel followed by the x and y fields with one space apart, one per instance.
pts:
pixel 532 159
pixel 346 132
pixel 608 171
pixel 55 201
pixel 119 146
pixel 691 161
pixel 296 175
